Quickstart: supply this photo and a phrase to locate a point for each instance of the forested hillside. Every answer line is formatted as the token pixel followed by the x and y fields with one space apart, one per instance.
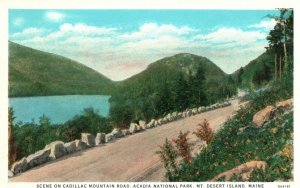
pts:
pixel 170 84
pixel 36 73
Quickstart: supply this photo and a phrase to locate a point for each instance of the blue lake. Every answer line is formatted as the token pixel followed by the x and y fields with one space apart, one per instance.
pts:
pixel 58 108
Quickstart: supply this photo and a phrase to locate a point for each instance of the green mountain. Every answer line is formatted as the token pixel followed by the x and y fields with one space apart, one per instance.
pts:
pixel 170 84
pixel 263 64
pixel 37 73
pixel 167 69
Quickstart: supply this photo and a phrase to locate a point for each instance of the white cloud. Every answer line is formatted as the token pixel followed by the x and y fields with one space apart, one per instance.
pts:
pixel 28 33
pixel 119 55
pixel 226 36
pixel 84 29
pixel 54 16
pixel 153 30
pixel 18 21
pixel 266 24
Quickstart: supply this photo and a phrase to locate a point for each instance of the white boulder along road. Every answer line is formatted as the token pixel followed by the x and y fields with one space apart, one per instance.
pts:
pixel 131 158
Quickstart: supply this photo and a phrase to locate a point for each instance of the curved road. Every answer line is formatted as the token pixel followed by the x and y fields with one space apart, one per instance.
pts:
pixel 131 158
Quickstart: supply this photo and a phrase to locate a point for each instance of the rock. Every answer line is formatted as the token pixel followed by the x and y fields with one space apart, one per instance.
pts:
pixel 165 120
pixel 70 146
pixel 100 139
pixel 195 111
pixel 88 139
pixel 262 116
pixel 284 104
pixel 80 145
pixel 109 137
pixel 138 128
pixel 200 109
pixel 133 128
pixel 174 115
pixel 242 129
pixel 179 115
pixel 151 124
pixel 188 113
pixel 39 157
pixel 142 124
pixel 117 133
pixel 10 174
pixel 114 131
pixel 160 121
pixel 57 149
pixel 242 171
pixel 156 124
pixel 19 166
pixel 245 104
pixel 169 117
pixel 125 132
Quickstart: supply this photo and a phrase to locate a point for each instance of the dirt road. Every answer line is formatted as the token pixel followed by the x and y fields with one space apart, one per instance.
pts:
pixel 131 158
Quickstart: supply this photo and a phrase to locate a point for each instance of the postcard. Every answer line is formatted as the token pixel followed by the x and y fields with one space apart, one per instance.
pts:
pixel 158 97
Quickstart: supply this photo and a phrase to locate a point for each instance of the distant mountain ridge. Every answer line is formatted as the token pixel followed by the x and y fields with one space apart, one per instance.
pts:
pixel 168 68
pixel 256 65
pixel 169 84
pixel 36 73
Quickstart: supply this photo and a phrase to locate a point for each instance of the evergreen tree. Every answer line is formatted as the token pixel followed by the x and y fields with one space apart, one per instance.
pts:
pixel 240 73
pixel 181 94
pixel 198 96
pixel 281 40
pixel 262 75
pixel 12 152
pixel 164 103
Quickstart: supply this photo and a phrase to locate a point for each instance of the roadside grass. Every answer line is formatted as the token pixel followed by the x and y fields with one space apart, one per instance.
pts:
pixel 239 142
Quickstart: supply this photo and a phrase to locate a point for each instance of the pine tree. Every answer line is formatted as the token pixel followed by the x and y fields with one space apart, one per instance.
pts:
pixel 281 39
pixel 181 94
pixel 164 104
pixel 12 152
pixel 239 77
pixel 198 96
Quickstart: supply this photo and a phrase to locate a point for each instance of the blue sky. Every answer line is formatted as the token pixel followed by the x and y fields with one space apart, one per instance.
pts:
pixel 121 43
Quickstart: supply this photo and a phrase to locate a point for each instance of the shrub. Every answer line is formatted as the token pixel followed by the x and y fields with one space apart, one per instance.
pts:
pixel 168 156
pixel 31 137
pixel 88 121
pixel 204 132
pixel 183 146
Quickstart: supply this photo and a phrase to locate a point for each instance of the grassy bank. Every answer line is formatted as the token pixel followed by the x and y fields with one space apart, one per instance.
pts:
pixel 239 141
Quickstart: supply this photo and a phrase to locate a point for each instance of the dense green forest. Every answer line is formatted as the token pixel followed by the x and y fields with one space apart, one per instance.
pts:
pixel 36 73
pixel 247 77
pixel 271 64
pixel 170 84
